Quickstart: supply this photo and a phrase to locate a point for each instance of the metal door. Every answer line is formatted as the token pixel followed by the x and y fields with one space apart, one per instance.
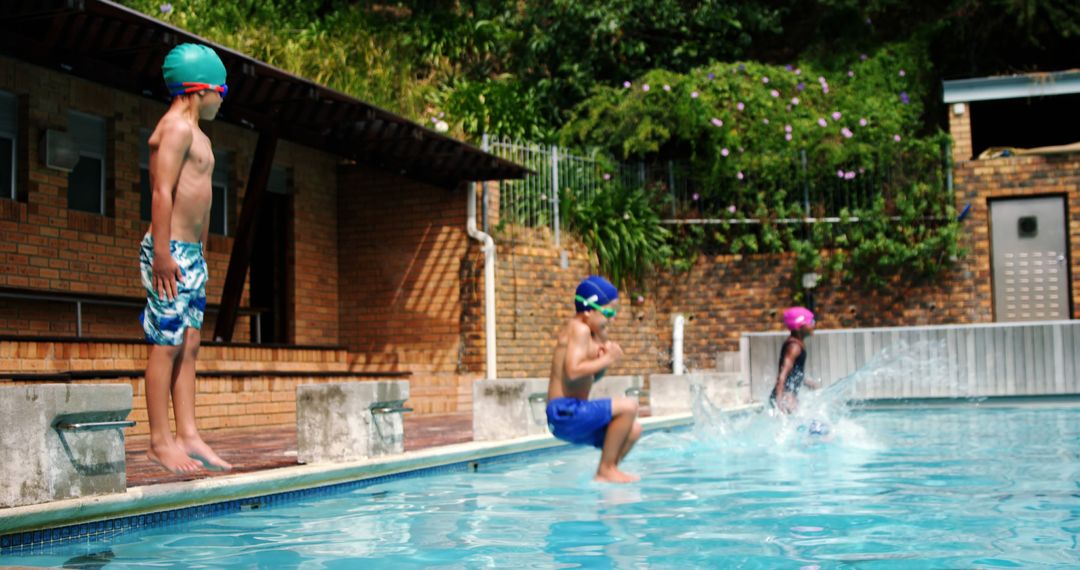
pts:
pixel 1030 259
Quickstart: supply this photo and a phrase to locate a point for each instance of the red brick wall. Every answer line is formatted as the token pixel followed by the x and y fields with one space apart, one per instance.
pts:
pixel 979 181
pixel 535 298
pixel 401 246
pixel 45 246
pixel 314 256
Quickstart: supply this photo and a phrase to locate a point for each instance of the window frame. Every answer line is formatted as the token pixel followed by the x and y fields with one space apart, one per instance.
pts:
pixel 13 136
pixel 93 155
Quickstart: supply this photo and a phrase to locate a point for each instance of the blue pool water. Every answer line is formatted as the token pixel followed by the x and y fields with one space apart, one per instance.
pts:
pixel 956 487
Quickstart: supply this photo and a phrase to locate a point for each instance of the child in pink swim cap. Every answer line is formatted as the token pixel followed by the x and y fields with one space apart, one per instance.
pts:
pixel 792 376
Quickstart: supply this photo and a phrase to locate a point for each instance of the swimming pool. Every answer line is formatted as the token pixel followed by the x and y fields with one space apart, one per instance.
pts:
pixel 954 487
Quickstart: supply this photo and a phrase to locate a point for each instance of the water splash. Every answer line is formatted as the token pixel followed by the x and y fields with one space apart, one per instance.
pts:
pixel 822 416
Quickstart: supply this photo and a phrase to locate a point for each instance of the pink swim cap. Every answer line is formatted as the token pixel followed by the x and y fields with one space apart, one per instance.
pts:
pixel 797 317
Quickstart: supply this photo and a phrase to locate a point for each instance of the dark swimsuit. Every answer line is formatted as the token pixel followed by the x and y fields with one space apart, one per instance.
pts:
pixel 795 379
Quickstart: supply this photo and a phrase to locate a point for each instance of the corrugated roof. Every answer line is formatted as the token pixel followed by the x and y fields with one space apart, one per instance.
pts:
pixel 107 43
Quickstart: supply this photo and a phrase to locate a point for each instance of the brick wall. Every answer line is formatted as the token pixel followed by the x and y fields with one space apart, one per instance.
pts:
pixel 979 181
pixel 314 257
pixel 535 298
pixel 46 246
pixel 960 129
pixel 401 245
pixel 721 297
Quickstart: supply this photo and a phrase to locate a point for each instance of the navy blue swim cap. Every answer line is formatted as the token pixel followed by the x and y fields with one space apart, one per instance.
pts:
pixel 595 289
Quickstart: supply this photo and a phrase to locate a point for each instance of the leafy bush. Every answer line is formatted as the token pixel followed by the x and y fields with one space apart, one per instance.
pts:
pixel 623 228
pixel 771 145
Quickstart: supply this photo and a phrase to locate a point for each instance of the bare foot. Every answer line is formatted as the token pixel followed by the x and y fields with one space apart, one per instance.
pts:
pixel 613 475
pixel 172 459
pixel 197 449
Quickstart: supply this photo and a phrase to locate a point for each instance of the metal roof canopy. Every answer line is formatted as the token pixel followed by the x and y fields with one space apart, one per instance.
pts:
pixel 1011 87
pixel 107 43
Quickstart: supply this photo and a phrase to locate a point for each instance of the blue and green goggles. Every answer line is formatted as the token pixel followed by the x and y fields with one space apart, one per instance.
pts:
pixel 608 312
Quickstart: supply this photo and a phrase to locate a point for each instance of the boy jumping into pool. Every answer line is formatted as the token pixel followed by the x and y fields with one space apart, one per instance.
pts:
pixel 171 256
pixel 582 356
pixel 792 376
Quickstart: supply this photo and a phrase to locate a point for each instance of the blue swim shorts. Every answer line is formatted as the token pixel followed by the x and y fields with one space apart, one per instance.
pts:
pixel 164 321
pixel 581 422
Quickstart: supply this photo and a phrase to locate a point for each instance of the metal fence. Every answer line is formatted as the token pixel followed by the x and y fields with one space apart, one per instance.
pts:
pixel 813 190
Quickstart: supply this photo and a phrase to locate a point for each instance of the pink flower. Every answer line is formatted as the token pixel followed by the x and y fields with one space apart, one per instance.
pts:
pixel 850 73
pixel 821 79
pixel 740 105
pixel 764 79
pixel 862 122
pixel 822 122
pixel 732 208
pixel 787 128
pixel 724 152
pixel 825 89
pixel 716 122
pixel 863 57
pixel 739 175
pixel 626 84
pixel 798 71
pixel 902 73
pixel 766 121
pixel 645 87
pixel 695 196
pixel 839 173
pixel 667 87
pixel 794 100
pixel 693 94
pixel 836 115
pixel 896 138
pixel 640 299
pixel 787 137
pixel 846 132
pixel 849 175
pixel 774 93
pixel 607 176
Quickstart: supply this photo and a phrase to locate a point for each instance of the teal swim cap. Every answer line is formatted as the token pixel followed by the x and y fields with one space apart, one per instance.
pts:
pixel 192 67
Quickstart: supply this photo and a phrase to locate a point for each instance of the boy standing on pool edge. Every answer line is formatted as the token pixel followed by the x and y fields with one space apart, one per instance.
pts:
pixel 171 258
pixel 582 356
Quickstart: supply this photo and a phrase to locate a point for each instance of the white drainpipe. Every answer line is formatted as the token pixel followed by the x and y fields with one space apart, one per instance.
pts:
pixel 676 346
pixel 489 281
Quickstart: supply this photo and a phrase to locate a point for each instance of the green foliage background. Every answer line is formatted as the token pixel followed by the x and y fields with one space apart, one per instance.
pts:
pixel 554 70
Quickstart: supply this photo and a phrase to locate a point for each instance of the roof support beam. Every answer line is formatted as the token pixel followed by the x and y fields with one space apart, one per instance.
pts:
pixel 240 259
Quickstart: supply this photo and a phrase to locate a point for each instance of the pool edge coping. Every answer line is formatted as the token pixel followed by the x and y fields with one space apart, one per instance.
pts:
pixel 170 496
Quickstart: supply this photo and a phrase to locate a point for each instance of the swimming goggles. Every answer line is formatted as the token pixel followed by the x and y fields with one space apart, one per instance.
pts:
pixel 608 312
pixel 195 86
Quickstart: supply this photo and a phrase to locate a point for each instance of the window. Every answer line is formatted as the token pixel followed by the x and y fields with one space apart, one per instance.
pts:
pixel 8 117
pixel 86 182
pixel 146 197
pixel 219 206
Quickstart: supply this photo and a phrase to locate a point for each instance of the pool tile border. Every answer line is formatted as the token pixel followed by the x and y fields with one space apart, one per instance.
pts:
pixel 39 528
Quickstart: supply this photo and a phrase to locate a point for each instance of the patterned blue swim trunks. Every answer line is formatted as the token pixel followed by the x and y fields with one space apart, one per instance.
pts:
pixel 163 320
